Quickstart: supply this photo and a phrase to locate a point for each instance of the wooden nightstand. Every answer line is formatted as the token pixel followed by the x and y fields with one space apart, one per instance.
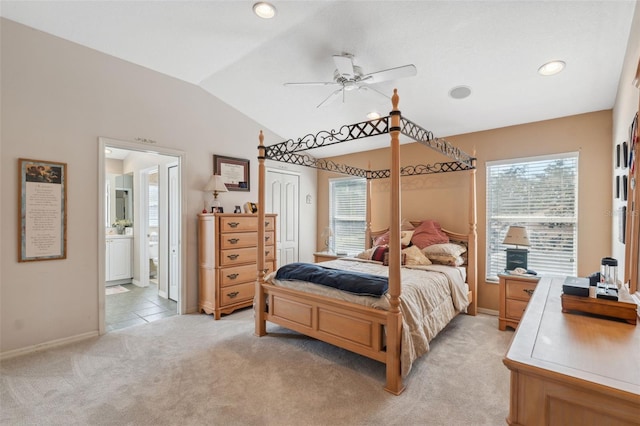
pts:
pixel 323 256
pixel 515 292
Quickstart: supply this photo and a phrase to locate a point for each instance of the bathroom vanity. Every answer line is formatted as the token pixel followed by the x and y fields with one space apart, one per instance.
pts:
pixel 118 259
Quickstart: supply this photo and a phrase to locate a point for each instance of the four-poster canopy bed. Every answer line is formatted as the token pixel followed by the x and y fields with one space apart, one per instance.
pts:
pixel 375 333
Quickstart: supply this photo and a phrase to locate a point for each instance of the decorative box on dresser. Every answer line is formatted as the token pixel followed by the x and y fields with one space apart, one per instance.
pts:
pixel 227 256
pixel 572 369
pixel 515 292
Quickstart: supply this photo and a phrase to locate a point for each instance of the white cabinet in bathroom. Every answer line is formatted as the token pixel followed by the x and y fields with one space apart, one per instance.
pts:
pixel 118 261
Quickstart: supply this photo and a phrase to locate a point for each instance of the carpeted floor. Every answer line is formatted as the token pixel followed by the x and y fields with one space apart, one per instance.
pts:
pixel 192 370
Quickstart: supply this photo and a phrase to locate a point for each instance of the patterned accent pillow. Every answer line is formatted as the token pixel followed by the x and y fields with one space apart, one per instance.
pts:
pixel 405 238
pixel 385 261
pixel 379 252
pixel 414 256
pixel 445 254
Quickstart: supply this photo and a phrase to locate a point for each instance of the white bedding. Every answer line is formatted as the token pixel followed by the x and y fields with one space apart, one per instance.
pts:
pixel 430 297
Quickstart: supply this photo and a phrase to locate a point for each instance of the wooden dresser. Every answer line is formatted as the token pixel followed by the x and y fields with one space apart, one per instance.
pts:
pixel 227 256
pixel 572 369
pixel 515 292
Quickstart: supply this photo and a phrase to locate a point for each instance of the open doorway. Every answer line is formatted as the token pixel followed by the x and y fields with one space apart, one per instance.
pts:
pixel 150 253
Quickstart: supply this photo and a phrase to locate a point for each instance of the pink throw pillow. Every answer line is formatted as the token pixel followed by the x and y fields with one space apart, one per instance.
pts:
pixel 428 233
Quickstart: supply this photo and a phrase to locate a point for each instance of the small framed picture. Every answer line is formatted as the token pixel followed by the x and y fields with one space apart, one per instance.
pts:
pixel 217 210
pixel 237 210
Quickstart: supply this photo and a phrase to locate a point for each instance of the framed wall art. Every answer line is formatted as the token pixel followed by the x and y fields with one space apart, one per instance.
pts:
pixel 234 171
pixel 43 210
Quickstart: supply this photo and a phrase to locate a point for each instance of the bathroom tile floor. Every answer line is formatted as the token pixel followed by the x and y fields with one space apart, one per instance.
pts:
pixel 137 306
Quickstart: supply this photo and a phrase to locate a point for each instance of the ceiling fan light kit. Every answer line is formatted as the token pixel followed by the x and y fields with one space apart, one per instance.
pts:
pixel 350 77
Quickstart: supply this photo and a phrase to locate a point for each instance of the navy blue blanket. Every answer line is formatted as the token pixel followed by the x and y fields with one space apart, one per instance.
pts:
pixel 352 282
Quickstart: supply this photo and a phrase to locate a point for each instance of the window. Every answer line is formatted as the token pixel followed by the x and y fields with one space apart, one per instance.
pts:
pixel 539 193
pixel 348 214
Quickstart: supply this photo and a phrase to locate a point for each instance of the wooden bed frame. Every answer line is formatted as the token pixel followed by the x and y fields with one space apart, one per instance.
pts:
pixel 370 332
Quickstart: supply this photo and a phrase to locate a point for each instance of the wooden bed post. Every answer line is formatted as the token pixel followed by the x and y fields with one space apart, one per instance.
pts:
pixel 260 305
pixel 394 325
pixel 367 231
pixel 472 267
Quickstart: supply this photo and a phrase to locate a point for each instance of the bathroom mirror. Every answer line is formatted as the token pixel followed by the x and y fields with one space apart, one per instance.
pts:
pixel 119 203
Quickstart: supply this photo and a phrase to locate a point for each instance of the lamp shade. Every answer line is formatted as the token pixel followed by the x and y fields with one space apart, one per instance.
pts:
pixel 215 184
pixel 517 236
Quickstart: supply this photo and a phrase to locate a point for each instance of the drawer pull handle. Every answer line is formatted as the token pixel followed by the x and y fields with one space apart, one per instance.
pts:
pixel 267 223
pixel 232 276
pixel 233 256
pixel 266 238
pixel 234 224
pixel 233 240
pixel 266 253
pixel 529 291
pixel 233 294
pixel 265 270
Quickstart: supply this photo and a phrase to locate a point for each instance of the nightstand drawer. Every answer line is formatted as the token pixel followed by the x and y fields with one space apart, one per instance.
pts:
pixel 515 309
pixel 237 293
pixel 519 290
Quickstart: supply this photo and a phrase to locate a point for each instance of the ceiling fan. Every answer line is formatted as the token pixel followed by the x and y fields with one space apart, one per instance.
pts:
pixel 350 77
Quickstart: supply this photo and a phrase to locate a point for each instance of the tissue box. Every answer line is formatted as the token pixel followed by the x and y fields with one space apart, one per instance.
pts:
pixel 576 286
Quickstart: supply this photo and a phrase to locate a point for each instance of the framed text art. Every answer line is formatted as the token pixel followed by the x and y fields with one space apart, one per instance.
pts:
pixel 43 210
pixel 234 172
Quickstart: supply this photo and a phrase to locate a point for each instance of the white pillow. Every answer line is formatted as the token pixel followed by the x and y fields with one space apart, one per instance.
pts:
pixel 405 237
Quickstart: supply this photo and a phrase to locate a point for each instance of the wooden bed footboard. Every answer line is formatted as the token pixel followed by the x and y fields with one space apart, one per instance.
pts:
pixel 358 329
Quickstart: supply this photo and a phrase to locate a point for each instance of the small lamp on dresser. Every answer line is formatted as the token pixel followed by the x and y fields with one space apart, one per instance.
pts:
pixel 517 257
pixel 326 235
pixel 215 185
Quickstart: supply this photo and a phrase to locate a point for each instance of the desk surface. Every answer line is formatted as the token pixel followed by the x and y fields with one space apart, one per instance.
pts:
pixel 593 351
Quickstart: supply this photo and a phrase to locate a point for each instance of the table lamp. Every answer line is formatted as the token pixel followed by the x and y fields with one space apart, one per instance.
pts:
pixel 215 185
pixel 516 257
pixel 326 235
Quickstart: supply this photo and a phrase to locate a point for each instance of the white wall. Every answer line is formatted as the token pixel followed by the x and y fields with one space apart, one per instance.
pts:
pixel 625 108
pixel 57 99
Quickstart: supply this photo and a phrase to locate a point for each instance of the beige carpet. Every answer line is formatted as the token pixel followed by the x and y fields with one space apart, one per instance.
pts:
pixel 192 370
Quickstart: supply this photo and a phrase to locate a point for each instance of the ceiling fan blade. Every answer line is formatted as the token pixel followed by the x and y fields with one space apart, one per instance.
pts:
pixel 374 90
pixel 344 64
pixel 390 74
pixel 332 97
pixel 312 83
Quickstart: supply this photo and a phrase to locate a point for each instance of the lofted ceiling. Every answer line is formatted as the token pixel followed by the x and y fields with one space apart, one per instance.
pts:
pixel 493 47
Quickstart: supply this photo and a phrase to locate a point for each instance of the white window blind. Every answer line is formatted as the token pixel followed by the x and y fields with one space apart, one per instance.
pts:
pixel 348 214
pixel 539 193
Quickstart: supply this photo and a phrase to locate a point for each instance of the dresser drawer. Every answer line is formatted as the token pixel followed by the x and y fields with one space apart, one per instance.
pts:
pixel 519 290
pixel 232 275
pixel 269 253
pixel 238 256
pixel 515 309
pixel 269 223
pixel 240 223
pixel 238 239
pixel 237 293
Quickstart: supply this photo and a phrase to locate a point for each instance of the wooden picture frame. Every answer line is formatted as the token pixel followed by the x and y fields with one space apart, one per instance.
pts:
pixel 43 210
pixel 234 171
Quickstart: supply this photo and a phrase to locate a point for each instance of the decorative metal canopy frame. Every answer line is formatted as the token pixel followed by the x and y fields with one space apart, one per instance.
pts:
pixel 293 151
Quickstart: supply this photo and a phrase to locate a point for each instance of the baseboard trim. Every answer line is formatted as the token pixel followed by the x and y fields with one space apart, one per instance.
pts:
pixel 488 311
pixel 47 345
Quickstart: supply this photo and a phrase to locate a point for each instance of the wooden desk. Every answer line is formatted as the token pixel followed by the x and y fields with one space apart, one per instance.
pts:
pixel 572 369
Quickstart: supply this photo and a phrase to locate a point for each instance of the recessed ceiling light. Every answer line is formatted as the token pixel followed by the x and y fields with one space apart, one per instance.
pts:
pixel 373 115
pixel 551 68
pixel 264 10
pixel 107 151
pixel 460 92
